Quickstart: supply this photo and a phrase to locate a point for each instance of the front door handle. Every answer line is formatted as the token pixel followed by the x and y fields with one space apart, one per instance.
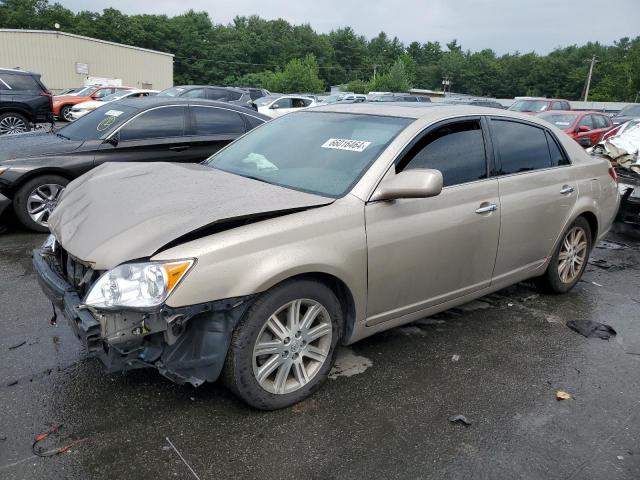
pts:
pixel 566 190
pixel 487 208
pixel 180 148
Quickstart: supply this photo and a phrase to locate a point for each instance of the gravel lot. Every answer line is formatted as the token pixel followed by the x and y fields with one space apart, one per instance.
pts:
pixel 383 414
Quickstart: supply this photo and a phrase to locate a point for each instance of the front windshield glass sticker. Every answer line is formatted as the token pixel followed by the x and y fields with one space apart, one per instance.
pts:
pixel 346 144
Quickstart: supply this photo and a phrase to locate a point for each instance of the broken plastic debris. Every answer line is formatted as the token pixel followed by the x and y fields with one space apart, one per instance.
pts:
pixel 461 419
pixel 561 395
pixel 35 448
pixel 455 358
pixel 596 284
pixel 588 328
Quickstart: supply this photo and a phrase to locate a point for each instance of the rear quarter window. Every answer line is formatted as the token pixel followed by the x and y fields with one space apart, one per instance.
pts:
pixel 521 147
pixel 18 83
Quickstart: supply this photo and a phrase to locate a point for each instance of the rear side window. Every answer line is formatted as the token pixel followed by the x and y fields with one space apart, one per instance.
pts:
pixel 157 123
pixel 557 106
pixel 10 81
pixel 586 121
pixel 255 94
pixel 456 149
pixel 216 121
pixel 195 93
pixel 521 147
pixel 283 103
pixel 557 157
pixel 600 121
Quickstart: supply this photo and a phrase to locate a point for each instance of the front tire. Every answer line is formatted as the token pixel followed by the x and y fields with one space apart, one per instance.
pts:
pixel 569 260
pixel 36 199
pixel 65 113
pixel 283 349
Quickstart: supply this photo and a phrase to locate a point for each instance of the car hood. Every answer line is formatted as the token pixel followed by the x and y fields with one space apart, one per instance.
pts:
pixel 127 211
pixel 90 103
pixel 35 144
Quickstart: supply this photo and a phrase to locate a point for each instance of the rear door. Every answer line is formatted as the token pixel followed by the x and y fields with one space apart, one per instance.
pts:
pixel 212 128
pixel 423 252
pixel 537 193
pixel 155 135
pixel 601 125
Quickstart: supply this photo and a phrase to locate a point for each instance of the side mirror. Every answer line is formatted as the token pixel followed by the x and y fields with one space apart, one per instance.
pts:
pixel 418 183
pixel 583 128
pixel 274 107
pixel 113 139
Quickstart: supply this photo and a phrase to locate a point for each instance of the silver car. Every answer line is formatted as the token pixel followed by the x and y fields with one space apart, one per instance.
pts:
pixel 318 228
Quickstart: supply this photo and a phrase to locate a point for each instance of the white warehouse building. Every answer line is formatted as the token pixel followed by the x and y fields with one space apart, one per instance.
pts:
pixel 66 60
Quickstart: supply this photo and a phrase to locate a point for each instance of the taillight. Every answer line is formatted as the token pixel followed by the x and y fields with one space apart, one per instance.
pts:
pixel 613 174
pixel 49 96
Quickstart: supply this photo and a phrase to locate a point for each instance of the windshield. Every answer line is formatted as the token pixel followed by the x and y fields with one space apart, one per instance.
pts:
pixel 172 92
pixel 317 152
pixel 332 99
pixel 560 120
pixel 529 106
pixel 96 124
pixel 630 111
pixel 86 91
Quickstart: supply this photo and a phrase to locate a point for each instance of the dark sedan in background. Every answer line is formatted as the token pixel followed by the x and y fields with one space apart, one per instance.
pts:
pixel 35 167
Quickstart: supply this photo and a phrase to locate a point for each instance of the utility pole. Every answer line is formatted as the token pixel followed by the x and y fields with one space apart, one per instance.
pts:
pixel 374 72
pixel 594 60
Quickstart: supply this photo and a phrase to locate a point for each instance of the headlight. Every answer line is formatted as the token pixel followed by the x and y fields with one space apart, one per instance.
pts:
pixel 137 285
pixel 50 244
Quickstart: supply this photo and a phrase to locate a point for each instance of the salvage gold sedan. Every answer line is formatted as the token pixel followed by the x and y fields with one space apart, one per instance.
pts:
pixel 318 228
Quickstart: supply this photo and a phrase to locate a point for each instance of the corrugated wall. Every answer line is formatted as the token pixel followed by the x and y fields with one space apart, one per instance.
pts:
pixel 54 55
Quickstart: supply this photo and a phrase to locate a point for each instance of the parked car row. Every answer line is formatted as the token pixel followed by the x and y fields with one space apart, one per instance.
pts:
pixel 221 269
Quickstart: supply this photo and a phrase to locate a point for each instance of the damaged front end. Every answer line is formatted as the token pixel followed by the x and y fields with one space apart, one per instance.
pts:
pixel 185 344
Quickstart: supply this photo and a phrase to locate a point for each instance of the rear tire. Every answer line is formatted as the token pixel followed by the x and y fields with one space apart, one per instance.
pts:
pixel 271 368
pixel 35 200
pixel 12 122
pixel 569 260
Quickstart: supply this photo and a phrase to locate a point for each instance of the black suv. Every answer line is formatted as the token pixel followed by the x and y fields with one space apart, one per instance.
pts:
pixel 24 100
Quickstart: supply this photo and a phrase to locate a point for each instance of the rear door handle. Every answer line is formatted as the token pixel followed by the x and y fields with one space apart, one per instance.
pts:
pixel 487 209
pixel 180 148
pixel 566 190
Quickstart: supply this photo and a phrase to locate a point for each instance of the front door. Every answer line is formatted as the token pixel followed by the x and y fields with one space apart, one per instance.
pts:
pixel 423 252
pixel 156 135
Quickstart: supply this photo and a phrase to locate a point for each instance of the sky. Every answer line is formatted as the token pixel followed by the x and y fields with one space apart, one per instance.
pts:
pixel 502 25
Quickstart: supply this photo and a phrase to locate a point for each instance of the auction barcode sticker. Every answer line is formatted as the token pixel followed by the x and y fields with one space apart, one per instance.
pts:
pixel 346 144
pixel 113 113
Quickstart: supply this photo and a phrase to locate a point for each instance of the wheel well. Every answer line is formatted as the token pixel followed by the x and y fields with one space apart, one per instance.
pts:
pixel 38 173
pixel 340 289
pixel 13 109
pixel 593 225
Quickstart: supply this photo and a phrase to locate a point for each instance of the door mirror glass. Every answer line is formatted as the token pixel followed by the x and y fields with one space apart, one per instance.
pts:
pixel 583 128
pixel 415 183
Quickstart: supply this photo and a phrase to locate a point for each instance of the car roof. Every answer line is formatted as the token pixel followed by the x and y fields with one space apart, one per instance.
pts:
pixel 19 72
pixel 191 87
pixel 421 110
pixel 145 102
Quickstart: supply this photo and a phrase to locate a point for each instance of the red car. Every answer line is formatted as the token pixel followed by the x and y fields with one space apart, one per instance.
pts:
pixel 586 128
pixel 62 104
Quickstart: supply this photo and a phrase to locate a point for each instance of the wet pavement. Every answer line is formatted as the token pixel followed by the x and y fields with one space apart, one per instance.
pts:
pixel 384 413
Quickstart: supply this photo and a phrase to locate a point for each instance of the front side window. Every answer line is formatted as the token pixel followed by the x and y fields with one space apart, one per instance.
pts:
pixel 521 147
pixel 282 103
pixel 104 92
pixel 456 149
pixel 216 121
pixel 318 152
pixel 586 121
pixel 195 93
pixel 157 123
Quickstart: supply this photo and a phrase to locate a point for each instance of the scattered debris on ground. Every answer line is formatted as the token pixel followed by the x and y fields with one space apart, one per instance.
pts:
pixel 562 395
pixel 18 345
pixel 40 452
pixel 589 328
pixel 611 245
pixel 461 419
pixel 3 438
pixel 12 383
pixel 455 358
pixel 348 364
pixel 182 458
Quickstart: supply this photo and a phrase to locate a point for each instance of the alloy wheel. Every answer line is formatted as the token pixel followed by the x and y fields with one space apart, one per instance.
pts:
pixel 42 201
pixel 573 254
pixel 9 125
pixel 66 114
pixel 292 346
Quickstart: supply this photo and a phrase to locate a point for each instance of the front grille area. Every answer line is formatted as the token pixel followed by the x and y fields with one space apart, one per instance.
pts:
pixel 79 275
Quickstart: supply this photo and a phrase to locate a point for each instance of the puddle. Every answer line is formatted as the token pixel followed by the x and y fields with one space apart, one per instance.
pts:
pixel 349 364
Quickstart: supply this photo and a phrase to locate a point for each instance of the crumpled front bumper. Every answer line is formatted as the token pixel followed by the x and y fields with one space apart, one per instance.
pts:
pixel 186 344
